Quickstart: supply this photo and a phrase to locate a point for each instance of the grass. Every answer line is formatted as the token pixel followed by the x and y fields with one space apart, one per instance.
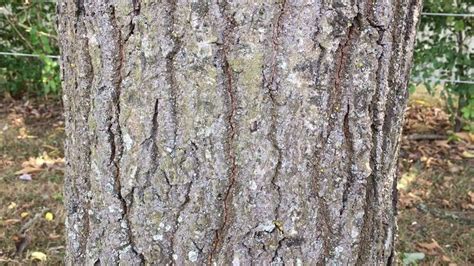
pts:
pixel 435 206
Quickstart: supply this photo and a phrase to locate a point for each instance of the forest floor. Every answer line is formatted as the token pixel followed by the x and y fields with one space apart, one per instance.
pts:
pixel 436 193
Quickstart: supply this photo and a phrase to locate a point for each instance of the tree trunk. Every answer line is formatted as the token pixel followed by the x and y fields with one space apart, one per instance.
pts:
pixel 204 132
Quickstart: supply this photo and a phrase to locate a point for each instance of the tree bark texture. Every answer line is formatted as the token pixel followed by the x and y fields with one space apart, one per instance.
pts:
pixel 233 132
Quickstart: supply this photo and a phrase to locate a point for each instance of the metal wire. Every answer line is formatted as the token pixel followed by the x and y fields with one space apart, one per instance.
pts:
pixel 28 55
pixel 422 13
pixel 416 79
pixel 444 80
pixel 446 14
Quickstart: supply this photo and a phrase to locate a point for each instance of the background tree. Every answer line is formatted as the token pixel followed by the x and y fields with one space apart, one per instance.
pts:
pixel 206 131
pixel 444 51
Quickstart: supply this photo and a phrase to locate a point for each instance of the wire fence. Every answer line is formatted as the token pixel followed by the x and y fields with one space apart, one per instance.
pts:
pixel 442 80
pixel 446 14
pixel 413 79
pixel 28 55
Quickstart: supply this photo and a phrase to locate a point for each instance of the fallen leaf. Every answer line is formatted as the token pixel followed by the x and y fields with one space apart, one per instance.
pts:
pixel 38 256
pixel 24 214
pixel 28 170
pixel 442 143
pixel 408 200
pixel 48 216
pixel 40 163
pixel 25 177
pixel 445 258
pixel 11 221
pixel 469 137
pixel 54 236
pixel 12 205
pixel 467 154
pixel 446 203
pixel 430 248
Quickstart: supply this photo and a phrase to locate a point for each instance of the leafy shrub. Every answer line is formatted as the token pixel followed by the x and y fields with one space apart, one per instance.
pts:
pixel 28 27
pixel 444 51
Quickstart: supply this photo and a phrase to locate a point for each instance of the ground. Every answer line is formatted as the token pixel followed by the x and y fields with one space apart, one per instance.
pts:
pixel 436 193
pixel 31 141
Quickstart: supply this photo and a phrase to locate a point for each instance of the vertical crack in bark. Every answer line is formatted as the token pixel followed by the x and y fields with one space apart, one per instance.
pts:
pixel 342 55
pixel 350 156
pixel 272 90
pixel 279 246
pixel 116 140
pixel 229 86
pixel 335 103
pixel 154 123
pixel 135 12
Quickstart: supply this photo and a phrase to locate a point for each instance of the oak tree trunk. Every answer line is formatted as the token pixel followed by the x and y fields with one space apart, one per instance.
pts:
pixel 206 131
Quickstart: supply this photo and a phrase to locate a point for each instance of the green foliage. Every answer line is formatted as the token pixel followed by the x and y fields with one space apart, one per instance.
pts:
pixel 28 27
pixel 444 51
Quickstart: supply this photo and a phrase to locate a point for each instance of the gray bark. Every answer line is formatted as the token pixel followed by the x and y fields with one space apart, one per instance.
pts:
pixel 204 132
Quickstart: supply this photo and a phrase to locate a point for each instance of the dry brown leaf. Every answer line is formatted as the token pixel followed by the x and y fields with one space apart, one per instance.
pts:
pixel 466 136
pixel 11 221
pixel 408 200
pixel 471 196
pixel 432 248
pixel 28 170
pixel 33 165
pixel 53 236
pixel 442 144
pixel 445 258
pixel 446 203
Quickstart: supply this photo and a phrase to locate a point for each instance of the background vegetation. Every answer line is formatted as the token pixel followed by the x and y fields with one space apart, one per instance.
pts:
pixel 444 51
pixel 28 27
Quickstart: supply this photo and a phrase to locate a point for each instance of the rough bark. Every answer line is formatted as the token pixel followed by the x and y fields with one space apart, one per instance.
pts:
pixel 241 132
